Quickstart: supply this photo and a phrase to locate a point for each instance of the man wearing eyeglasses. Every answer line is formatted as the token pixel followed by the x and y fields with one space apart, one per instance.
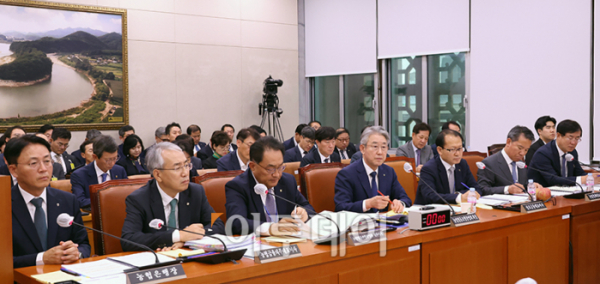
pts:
pixel 59 144
pixel 369 185
pixel 263 212
pixel 103 169
pixel 417 148
pixel 37 238
pixel 239 158
pixel 446 173
pixel 171 198
pixel 551 158
pixel 325 140
pixel 305 145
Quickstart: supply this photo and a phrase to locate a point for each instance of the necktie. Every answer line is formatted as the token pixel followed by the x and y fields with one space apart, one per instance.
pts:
pixel 326 160
pixel 305 153
pixel 197 148
pixel 563 166
pixel 39 219
pixel 104 175
pixel 172 222
pixel 58 159
pixel 343 154
pixel 138 166
pixel 451 179
pixel 271 208
pixel 418 161
pixel 373 183
pixel 514 171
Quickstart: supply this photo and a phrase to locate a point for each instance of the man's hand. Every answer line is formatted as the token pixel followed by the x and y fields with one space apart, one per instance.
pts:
pixel 196 228
pixel 175 246
pixel 397 206
pixel 465 196
pixel 300 213
pixel 515 189
pixel 418 169
pixel 56 254
pixel 537 185
pixel 377 202
pixel 285 227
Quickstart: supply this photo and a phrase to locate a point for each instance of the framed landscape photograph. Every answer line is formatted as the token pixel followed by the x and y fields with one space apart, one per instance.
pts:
pixel 62 64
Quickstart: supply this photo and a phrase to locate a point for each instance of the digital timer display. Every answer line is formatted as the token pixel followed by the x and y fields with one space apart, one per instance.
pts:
pixel 435 219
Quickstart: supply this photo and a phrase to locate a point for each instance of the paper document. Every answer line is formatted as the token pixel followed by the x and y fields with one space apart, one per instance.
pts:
pixel 319 227
pixel 231 242
pixel 120 278
pixel 141 259
pixel 56 276
pixel 571 189
pixel 288 240
pixel 181 252
pixel 94 269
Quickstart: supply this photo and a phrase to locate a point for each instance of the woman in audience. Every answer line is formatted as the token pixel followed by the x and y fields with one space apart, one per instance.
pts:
pixel 133 162
pixel 219 142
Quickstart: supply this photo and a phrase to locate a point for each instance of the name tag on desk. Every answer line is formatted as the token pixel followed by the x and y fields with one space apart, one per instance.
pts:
pixel 156 275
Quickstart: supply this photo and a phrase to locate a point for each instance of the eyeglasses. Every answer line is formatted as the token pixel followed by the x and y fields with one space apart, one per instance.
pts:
pixel 344 140
pixel 223 148
pixel 186 167
pixel 62 145
pixel 36 164
pixel 249 144
pixel 272 170
pixel 376 148
pixel 111 160
pixel 456 150
pixel 571 139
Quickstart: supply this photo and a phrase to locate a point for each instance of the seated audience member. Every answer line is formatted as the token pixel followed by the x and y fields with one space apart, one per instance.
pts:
pixel 417 147
pixel 207 151
pixel 124 131
pixel 370 186
pixel 173 130
pixel 196 162
pixel 186 146
pixel 305 145
pixel 261 132
pixel 447 173
pixel 266 167
pixel 293 142
pixel 315 125
pixel 46 129
pixel 228 128
pixel 545 127
pixel 170 197
pixel 104 168
pixel 86 150
pixel 343 147
pixel 502 175
pixel 159 136
pixel 195 132
pixel 219 142
pixel 551 158
pixel 37 238
pixel 59 144
pixel 77 154
pixel 57 170
pixel 239 159
pixel 325 140
pixel 133 162
pixel 2 143
pixel 452 125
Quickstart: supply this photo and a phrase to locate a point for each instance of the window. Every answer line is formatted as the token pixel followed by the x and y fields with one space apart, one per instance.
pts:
pixel 359 92
pixel 327 100
pixel 406 107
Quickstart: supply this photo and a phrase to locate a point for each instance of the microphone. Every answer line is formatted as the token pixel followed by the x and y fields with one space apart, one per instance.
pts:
pixel 65 220
pixel 157 224
pixel 409 169
pixel 481 166
pixel 522 165
pixel 260 188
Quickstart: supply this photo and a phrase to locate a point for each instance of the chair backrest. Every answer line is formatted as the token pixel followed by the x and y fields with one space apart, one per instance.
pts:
pixel 318 184
pixel 63 184
pixel 108 211
pixel 472 158
pixel 292 169
pixel 139 176
pixel 400 158
pixel 408 180
pixel 205 171
pixel 214 187
pixel 392 155
pixel 495 148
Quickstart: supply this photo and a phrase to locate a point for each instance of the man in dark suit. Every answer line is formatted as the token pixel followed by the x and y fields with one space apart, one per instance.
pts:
pixel 171 198
pixel 242 202
pixel 502 176
pixel 343 147
pixel 228 128
pixel 325 140
pixel 293 142
pixel 546 129
pixel 186 146
pixel 370 186
pixel 551 158
pixel 91 134
pixel 306 144
pixel 239 159
pixel 159 136
pixel 417 147
pixel 59 144
pixel 37 238
pixel 452 125
pixel 195 132
pixel 447 173
pixel 11 133
pixel 104 168
pixel 46 129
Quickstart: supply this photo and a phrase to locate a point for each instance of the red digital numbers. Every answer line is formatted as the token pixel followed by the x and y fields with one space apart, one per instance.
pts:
pixel 434 218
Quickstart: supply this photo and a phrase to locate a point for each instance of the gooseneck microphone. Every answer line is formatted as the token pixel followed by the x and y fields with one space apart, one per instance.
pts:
pixel 409 169
pixel 157 224
pixel 481 166
pixel 260 188
pixel 568 158
pixel 65 220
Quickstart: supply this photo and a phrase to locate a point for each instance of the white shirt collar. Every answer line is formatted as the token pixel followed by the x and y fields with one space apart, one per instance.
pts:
pixel 506 157
pixel 166 199
pixel 368 169
pixel 28 197
pixel 323 157
pixel 560 152
pixel 294 139
pixel 414 146
pixel 446 165
pixel 301 150
pixel 99 172
pixel 242 165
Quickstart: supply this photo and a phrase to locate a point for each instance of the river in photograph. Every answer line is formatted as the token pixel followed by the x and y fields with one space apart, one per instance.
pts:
pixel 66 89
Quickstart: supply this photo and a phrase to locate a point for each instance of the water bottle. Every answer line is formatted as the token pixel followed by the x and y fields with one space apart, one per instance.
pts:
pixel 590 182
pixel 531 189
pixel 472 199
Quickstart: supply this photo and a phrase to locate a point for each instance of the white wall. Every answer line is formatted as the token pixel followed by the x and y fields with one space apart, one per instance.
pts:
pixel 204 61
pixel 528 59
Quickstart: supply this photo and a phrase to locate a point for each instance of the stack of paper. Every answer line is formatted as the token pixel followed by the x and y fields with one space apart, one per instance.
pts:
pixel 210 244
pixel 140 259
pixel 55 277
pixel 181 252
pixel 319 227
pixel 96 269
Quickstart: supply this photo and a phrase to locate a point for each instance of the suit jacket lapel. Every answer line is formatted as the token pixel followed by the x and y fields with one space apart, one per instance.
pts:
pixel 411 151
pixel 156 206
pixel 443 174
pixel 21 213
pixel 364 179
pixel 383 185
pixel 53 207
pixel 185 213
pixel 555 157
pixel 92 174
pixel 298 154
pixel 281 204
pixel 503 166
pixel 458 177
pixel 114 175
pixel 258 204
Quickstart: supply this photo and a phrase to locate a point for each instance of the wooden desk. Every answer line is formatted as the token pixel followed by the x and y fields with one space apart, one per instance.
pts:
pixel 503 248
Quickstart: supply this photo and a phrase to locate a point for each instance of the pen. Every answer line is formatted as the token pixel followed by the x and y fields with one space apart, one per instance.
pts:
pixel 384 196
pixel 465 185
